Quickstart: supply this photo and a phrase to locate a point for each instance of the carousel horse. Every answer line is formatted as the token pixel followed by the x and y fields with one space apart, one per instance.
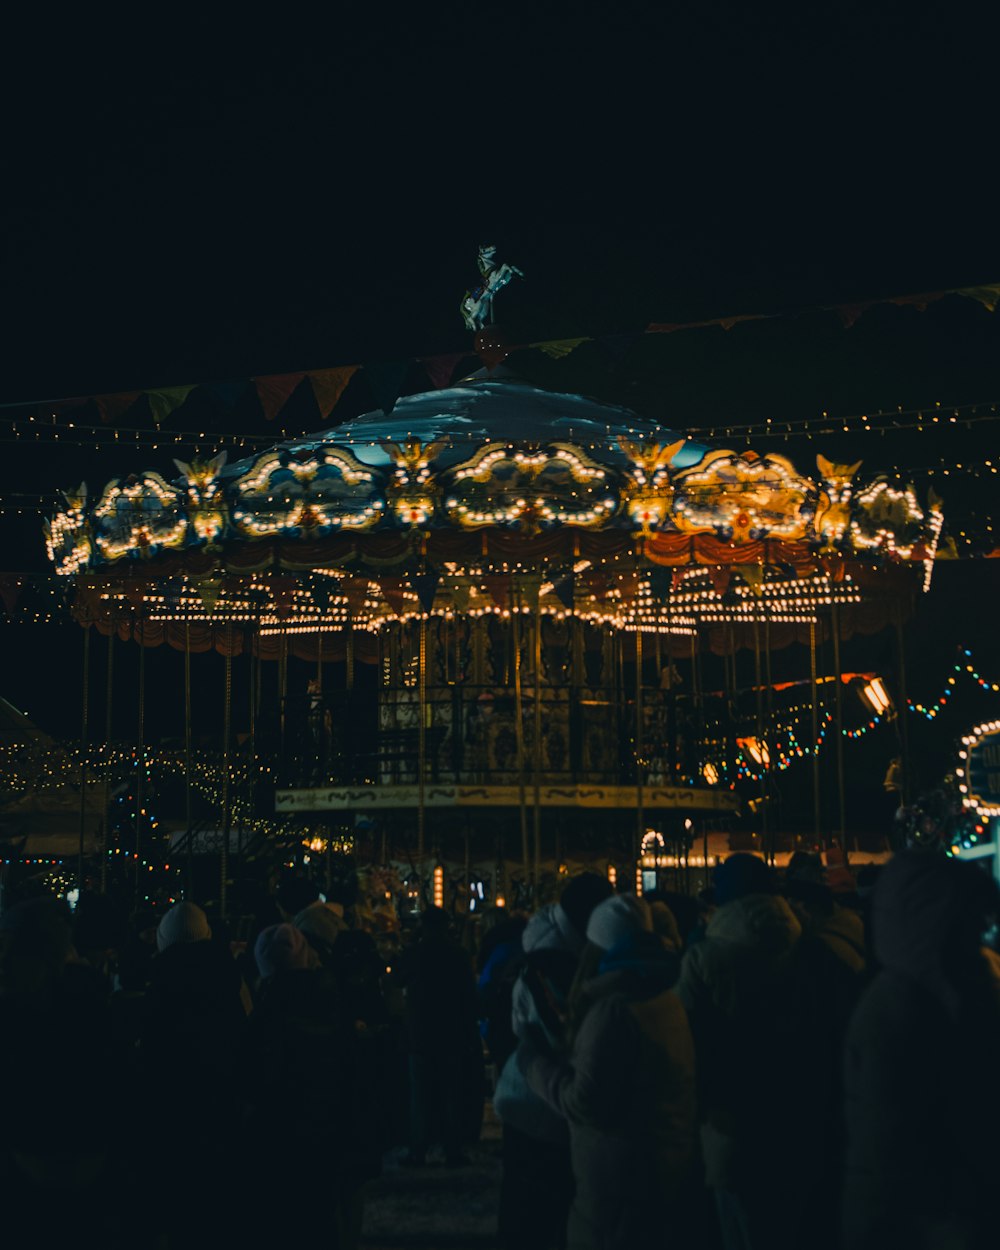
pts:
pixel 477 304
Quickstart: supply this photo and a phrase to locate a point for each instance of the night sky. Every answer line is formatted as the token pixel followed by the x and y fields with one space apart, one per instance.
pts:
pixel 198 203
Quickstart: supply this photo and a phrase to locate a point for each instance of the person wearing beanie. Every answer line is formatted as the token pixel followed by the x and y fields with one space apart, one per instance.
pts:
pixel 627 1088
pixel 184 922
pixel 763 1025
pixel 282 948
pixel 321 927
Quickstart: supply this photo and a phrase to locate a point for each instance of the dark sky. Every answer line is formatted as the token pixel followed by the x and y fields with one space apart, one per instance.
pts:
pixel 202 201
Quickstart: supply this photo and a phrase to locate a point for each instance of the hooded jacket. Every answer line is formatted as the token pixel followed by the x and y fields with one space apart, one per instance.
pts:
pixel 738 986
pixel 921 1087
pixel 628 1094
pixel 549 929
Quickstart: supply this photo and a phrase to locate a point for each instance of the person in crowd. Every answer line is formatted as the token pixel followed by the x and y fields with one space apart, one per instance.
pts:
pixel 196 1011
pixel 751 1006
pixel 498 962
pixel 299 1029
pixel 67 1094
pixel 921 1087
pixel 626 1088
pixel 445 1052
pixel 537 1184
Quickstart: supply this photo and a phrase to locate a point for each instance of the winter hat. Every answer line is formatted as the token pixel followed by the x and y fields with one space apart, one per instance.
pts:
pixel 320 924
pixel 741 874
pixel 184 922
pixel 617 918
pixel 281 948
pixel 581 896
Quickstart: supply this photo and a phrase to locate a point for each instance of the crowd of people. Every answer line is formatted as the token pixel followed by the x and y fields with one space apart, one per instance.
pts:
pixel 786 1060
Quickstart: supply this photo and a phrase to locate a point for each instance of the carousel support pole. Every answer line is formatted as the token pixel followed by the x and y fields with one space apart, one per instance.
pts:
pixel 839 727
pixel 537 744
pixel 814 700
pixel 254 673
pixel 768 717
pixel 763 746
pixel 188 764
pixel 519 740
pixel 84 741
pixel 227 734
pixel 902 720
pixel 640 816
pixel 140 760
pixel 421 741
pixel 108 705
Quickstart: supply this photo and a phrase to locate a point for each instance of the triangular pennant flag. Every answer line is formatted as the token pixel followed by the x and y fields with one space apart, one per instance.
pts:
pixel 660 582
pixel 328 386
pixel 386 380
pixel 392 592
pixel 111 407
pixel 563 588
pixel 355 590
pixel 677 579
pixel 460 595
pixel 618 345
pixel 558 348
pixel 597 583
pixel 321 595
pixel 426 584
pixel 988 296
pixel 720 577
pixel 498 588
pixel 275 391
pixel 162 403
pixel 849 313
pixel 441 369
pixel 208 593
pixel 753 575
pixel 227 393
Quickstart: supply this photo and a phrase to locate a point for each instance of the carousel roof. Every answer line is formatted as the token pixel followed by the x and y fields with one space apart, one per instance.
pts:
pixel 414 512
pixel 489 407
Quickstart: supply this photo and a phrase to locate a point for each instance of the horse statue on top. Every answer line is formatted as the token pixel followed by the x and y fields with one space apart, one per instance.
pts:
pixel 477 304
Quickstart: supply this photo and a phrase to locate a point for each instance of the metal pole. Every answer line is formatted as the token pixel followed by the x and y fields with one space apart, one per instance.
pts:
pixel 640 817
pixel 814 688
pixel 762 745
pixel 537 752
pixel 84 735
pixel 189 891
pixel 901 718
pixel 421 741
pixel 109 700
pixel 839 726
pixel 140 759
pixel 226 783
pixel 519 740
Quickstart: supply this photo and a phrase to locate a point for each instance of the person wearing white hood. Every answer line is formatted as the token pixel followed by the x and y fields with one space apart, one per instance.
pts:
pixel 627 1090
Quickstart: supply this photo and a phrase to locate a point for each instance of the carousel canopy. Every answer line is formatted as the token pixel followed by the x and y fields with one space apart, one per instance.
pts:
pixel 492 496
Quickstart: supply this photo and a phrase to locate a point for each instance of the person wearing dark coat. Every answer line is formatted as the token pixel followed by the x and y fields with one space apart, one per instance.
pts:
pixel 922 1093
pixel 744 993
pixel 445 1050
pixel 627 1090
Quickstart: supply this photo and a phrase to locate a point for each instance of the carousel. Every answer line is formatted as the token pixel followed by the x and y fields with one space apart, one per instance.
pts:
pixel 503 597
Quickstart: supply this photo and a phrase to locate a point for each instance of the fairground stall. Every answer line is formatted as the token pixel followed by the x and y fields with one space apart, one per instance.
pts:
pixel 504 596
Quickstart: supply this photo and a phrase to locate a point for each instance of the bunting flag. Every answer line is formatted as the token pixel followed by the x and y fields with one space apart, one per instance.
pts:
pixel 386 380
pixel 162 403
pixel 321 595
pixel 208 593
pixel 753 575
pixel 988 296
pixel 275 391
pixel 529 589
pixel 227 393
pixel 660 582
pixel 720 577
pixel 460 595
pixel 559 348
pixel 498 588
pixel 426 584
pixel 111 407
pixel 392 593
pixel 328 386
pixel 441 369
pixel 563 588
pixel 356 592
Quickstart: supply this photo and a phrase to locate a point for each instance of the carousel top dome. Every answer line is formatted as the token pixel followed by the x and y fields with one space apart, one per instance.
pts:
pixel 490 407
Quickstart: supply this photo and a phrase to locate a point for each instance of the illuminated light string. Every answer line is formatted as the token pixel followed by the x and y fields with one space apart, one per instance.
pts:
pixel 931 710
